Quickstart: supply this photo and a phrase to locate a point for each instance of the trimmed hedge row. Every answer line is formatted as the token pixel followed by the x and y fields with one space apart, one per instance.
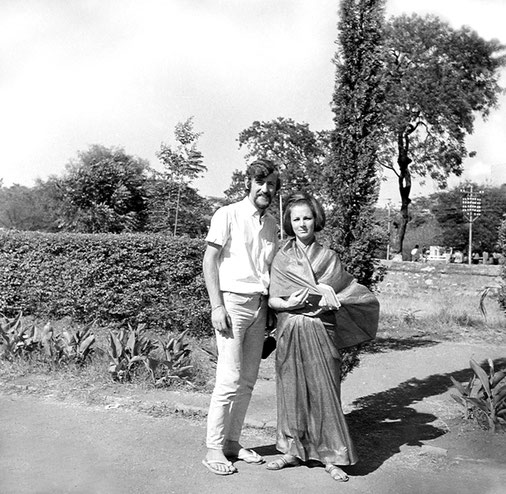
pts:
pixel 135 278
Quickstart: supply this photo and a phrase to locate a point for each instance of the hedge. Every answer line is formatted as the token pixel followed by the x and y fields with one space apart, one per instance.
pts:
pixel 113 279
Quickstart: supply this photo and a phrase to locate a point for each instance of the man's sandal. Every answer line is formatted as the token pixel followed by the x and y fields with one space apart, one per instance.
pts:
pixel 283 462
pixel 336 473
pixel 246 455
pixel 211 466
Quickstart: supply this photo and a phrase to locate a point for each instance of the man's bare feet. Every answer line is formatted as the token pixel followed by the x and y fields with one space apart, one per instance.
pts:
pixel 218 463
pixel 234 450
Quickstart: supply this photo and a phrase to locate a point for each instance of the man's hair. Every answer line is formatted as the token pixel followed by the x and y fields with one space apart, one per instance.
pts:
pixel 298 199
pixel 259 170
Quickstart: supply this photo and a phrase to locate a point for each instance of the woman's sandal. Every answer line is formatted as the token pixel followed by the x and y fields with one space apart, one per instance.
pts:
pixel 283 462
pixel 336 473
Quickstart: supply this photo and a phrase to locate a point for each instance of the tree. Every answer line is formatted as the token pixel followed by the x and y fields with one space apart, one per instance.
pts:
pixel 183 164
pixel 447 209
pixel 235 191
pixel 103 190
pixel 29 208
pixel 350 173
pixel 437 80
pixel 195 211
pixel 296 150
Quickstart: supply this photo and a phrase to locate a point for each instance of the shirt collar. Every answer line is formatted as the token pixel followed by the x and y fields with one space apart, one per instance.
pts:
pixel 251 209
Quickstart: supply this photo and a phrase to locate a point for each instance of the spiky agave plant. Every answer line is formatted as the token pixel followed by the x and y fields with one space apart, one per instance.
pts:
pixel 485 392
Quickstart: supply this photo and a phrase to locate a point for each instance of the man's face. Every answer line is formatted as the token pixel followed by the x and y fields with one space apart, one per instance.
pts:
pixel 263 190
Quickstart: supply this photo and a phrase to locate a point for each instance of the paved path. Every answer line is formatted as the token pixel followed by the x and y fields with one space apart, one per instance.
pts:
pixel 393 398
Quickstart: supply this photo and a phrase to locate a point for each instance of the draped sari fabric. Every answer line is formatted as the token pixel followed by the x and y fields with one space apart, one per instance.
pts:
pixel 311 423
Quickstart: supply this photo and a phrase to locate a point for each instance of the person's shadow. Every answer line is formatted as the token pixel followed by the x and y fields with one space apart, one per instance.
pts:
pixel 383 422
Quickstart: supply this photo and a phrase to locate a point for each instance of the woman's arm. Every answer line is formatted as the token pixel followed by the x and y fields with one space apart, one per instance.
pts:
pixel 296 300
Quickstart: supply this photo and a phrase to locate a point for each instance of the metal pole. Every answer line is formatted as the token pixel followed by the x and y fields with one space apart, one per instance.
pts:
pixel 281 215
pixel 388 232
pixel 470 239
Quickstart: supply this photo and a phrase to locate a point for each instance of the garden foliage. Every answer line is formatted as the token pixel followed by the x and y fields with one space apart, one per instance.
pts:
pixel 19 339
pixel 107 278
pixel 166 359
pixel 484 395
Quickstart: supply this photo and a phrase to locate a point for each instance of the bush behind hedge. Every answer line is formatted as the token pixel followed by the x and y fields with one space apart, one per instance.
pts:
pixel 113 279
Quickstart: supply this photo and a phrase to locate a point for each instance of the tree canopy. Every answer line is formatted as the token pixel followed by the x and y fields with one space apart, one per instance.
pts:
pixel 103 190
pixel 437 80
pixel 297 150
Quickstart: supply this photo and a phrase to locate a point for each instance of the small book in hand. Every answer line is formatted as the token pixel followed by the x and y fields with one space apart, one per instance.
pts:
pixel 328 293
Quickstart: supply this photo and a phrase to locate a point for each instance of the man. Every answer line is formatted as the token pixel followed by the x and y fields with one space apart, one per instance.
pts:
pixel 415 253
pixel 241 244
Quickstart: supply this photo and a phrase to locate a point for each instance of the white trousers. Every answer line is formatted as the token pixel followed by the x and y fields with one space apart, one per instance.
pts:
pixel 237 368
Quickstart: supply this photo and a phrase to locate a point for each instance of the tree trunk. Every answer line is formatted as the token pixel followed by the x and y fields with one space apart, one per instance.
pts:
pixel 177 207
pixel 404 180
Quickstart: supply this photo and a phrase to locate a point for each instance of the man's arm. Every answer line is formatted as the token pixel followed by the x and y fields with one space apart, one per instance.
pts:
pixel 219 316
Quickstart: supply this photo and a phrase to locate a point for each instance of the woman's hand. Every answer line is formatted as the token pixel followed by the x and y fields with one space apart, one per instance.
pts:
pixel 297 299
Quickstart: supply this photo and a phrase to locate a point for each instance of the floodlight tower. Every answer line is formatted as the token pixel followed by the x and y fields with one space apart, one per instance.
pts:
pixel 471 207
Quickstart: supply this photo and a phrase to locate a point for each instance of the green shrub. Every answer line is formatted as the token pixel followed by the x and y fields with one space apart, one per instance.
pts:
pixel 107 278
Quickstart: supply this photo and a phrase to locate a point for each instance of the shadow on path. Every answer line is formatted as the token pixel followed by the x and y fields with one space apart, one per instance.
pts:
pixel 382 345
pixel 383 422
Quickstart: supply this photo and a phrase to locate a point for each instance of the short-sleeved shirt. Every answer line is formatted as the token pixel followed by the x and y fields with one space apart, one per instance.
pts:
pixel 249 242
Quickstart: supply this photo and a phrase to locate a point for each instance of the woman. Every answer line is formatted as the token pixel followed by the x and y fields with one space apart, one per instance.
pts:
pixel 320 309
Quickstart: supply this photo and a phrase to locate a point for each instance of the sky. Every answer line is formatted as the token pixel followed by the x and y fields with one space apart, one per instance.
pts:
pixel 125 72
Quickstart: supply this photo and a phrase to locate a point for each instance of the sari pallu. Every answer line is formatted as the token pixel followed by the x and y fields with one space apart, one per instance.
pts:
pixel 311 424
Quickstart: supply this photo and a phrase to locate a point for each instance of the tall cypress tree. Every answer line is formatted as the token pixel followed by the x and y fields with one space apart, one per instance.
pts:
pixel 351 172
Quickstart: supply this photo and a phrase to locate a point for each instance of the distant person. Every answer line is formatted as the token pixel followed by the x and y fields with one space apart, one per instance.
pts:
pixel 241 245
pixel 475 258
pixel 484 256
pixel 415 253
pixel 458 257
pixel 320 308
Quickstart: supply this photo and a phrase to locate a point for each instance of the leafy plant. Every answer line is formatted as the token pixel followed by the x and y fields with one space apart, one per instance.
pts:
pixel 485 392
pixel 127 348
pixel 15 338
pixel 77 346
pixel 130 347
pixel 175 359
pixel 28 341
pixel 409 315
pixel 498 291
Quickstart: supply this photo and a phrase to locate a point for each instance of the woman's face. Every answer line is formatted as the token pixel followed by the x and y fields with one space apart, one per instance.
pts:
pixel 303 223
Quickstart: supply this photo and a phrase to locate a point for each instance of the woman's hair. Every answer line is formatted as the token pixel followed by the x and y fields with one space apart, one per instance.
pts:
pixel 298 199
pixel 260 170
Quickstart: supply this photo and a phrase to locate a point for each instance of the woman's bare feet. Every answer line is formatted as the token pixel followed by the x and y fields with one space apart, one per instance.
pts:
pixel 283 462
pixel 234 451
pixel 336 473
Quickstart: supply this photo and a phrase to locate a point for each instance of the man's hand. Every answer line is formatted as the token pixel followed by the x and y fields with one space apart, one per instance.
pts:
pixel 221 321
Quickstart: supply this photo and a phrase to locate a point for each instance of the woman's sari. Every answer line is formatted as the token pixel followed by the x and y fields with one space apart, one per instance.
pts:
pixel 311 423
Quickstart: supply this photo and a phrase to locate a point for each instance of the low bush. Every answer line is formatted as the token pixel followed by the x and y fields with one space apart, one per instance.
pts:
pixel 111 279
